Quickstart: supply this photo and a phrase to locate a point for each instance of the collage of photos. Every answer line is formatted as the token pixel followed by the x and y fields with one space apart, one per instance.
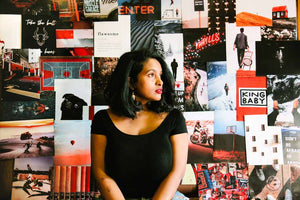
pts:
pixel 226 74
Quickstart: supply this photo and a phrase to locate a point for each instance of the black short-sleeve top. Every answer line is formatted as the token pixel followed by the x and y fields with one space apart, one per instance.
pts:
pixel 138 163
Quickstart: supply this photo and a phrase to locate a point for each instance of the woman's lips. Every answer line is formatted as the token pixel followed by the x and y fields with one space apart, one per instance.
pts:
pixel 159 91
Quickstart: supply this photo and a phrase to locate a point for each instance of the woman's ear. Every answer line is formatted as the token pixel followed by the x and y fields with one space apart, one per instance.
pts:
pixel 131 85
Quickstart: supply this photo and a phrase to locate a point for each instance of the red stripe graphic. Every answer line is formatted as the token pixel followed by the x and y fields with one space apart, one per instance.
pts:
pixel 64 34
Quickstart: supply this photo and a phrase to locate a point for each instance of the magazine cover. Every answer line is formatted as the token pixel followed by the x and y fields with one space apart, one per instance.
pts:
pixel 200 127
pixel 32 178
pixel 26 138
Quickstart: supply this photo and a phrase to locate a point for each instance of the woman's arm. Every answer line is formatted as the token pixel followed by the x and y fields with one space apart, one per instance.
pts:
pixel 107 186
pixel 170 184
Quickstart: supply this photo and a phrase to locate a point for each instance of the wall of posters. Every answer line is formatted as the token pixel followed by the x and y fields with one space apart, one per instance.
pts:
pixel 235 65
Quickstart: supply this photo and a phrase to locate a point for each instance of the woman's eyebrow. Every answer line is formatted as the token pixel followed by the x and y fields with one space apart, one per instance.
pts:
pixel 151 69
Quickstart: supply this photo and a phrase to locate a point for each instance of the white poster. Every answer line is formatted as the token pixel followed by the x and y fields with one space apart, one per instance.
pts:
pixel 263 142
pixel 10 31
pixel 112 38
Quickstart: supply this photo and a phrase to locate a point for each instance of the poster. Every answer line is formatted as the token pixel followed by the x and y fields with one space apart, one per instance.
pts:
pixel 251 96
pixel 39 32
pixel 263 142
pixel 290 145
pixel 112 39
pixel 11 34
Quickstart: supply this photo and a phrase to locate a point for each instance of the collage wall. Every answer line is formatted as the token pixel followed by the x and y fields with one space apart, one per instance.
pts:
pixel 237 81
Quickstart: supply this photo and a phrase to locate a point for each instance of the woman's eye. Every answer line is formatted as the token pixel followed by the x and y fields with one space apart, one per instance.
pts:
pixel 151 75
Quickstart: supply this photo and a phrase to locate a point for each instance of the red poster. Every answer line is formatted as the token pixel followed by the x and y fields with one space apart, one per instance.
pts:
pixel 251 94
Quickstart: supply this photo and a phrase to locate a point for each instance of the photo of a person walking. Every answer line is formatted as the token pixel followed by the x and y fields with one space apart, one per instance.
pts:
pixel 240 43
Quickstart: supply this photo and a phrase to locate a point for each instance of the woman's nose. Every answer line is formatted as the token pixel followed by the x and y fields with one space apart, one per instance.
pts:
pixel 159 81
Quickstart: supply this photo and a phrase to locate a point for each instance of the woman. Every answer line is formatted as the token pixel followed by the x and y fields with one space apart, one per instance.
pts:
pixel 139 145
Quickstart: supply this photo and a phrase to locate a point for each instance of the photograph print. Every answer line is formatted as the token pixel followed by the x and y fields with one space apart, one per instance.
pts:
pixel 283 95
pixel 72 142
pixel 250 14
pixel 22 110
pixel 71 96
pixel 26 138
pixel 202 45
pixel 32 178
pixel 195 86
pixel 240 47
pixel 171 10
pixel 200 127
pixel 284 19
pixel 229 137
pixel 172 52
pixel 68 67
pixel 221 86
pixel 195 14
pixel 277 57
pixel 103 68
pixel 220 13
pixel 21 78
pixel 269 182
pixel 11 34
